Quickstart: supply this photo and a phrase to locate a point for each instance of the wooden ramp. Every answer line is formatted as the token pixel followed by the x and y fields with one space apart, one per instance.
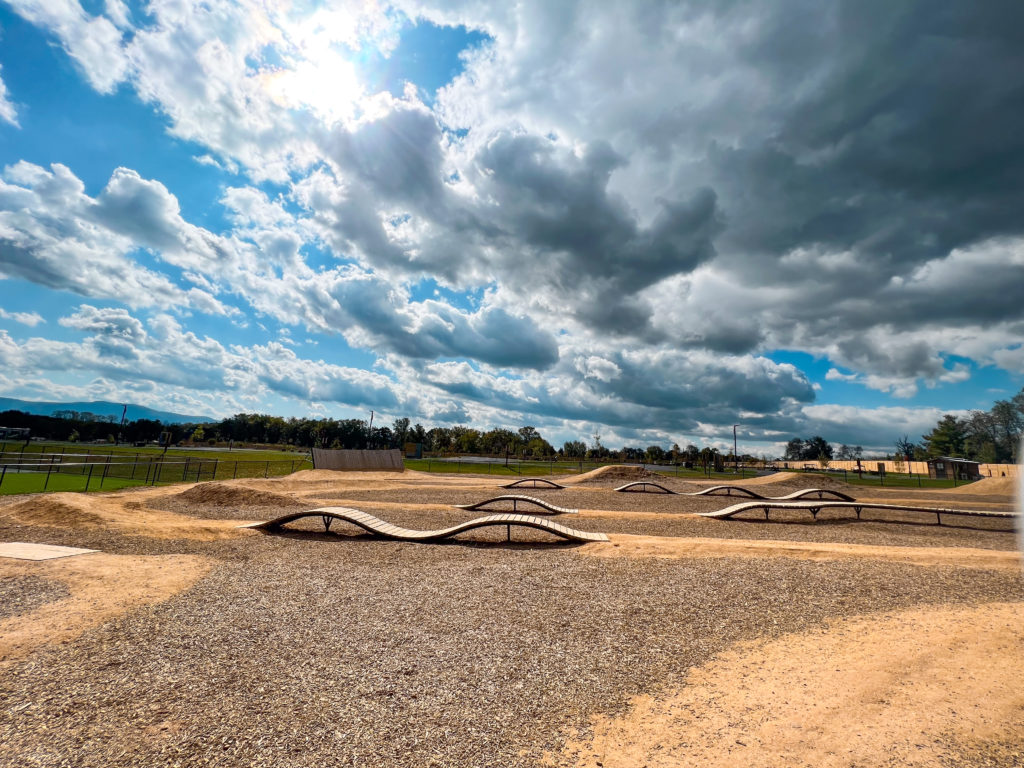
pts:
pixel 516 501
pixel 814 507
pixel 728 490
pixel 386 530
pixel 644 486
pixel 537 483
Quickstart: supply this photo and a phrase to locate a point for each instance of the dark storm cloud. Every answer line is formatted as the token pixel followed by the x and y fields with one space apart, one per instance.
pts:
pixel 908 144
pixel 565 232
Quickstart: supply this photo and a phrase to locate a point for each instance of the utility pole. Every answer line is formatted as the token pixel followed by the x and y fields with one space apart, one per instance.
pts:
pixel 369 432
pixel 735 455
pixel 120 429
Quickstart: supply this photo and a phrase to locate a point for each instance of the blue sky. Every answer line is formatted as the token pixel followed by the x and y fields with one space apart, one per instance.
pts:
pixel 648 224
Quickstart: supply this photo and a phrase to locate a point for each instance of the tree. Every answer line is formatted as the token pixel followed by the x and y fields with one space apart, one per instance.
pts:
pixel 654 454
pixel 400 430
pixel 905 448
pixel 691 453
pixel 816 448
pixel 574 449
pixel 707 457
pixel 794 450
pixel 74 437
pixel 198 435
pixel 947 439
pixel 845 452
pixel 526 434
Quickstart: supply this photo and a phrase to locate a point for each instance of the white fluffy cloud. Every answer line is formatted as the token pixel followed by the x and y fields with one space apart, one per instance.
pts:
pixel 8 112
pixel 640 202
pixel 25 318
pixel 119 347
pixel 53 234
pixel 93 42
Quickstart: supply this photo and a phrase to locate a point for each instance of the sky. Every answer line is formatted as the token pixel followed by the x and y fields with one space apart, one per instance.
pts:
pixel 644 221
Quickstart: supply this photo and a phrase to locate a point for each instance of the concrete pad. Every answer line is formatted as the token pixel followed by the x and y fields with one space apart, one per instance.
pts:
pixel 22 551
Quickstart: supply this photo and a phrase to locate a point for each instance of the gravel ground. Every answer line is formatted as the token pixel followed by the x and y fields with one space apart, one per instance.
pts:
pixel 310 649
pixel 21 594
pixel 300 651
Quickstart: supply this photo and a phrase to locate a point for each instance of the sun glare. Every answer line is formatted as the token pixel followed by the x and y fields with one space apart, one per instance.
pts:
pixel 326 84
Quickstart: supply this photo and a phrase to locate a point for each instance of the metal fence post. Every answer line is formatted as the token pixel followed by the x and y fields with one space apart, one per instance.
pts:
pixel 235 473
pixel 49 469
pixel 3 474
pixel 87 479
pixel 266 472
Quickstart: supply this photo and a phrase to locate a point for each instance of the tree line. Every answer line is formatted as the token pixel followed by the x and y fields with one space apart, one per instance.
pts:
pixel 991 437
pixel 304 433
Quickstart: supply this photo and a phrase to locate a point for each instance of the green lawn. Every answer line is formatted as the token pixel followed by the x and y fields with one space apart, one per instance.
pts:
pixel 147 471
pixel 34 482
pixel 173 453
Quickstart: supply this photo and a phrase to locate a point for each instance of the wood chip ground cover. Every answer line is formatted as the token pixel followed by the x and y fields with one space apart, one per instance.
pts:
pixel 305 649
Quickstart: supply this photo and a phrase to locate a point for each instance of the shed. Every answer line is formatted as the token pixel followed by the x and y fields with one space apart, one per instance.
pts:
pixel 949 467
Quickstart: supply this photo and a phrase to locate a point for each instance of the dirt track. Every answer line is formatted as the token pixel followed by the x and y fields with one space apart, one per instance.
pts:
pixel 308 647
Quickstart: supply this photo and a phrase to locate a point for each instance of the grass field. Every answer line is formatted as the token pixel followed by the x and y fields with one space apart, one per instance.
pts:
pixel 94 449
pixel 131 466
pixel 75 470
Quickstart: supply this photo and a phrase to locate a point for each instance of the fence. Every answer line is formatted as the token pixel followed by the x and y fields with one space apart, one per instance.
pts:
pixel 485 465
pixel 909 467
pixel 355 460
pixel 42 472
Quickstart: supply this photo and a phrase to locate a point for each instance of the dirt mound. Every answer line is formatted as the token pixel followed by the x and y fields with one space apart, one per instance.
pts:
pixel 60 510
pixel 114 512
pixel 233 495
pixel 612 473
pixel 995 486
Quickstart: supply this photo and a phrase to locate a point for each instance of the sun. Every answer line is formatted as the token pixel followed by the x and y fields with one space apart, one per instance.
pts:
pixel 324 82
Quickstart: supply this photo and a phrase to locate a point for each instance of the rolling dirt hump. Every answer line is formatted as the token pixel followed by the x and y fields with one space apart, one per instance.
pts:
pixel 1002 486
pixel 611 473
pixel 65 510
pixel 233 495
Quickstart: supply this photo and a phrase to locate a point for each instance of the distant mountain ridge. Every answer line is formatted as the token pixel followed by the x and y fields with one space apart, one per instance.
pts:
pixel 100 408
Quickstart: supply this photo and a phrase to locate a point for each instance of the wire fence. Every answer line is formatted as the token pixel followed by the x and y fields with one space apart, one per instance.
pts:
pixel 511 466
pixel 36 472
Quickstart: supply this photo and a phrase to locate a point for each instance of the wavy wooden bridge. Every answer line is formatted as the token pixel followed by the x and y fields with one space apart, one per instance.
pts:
pixel 727 490
pixel 641 486
pixel 537 483
pixel 516 501
pixel 385 530
pixel 814 507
